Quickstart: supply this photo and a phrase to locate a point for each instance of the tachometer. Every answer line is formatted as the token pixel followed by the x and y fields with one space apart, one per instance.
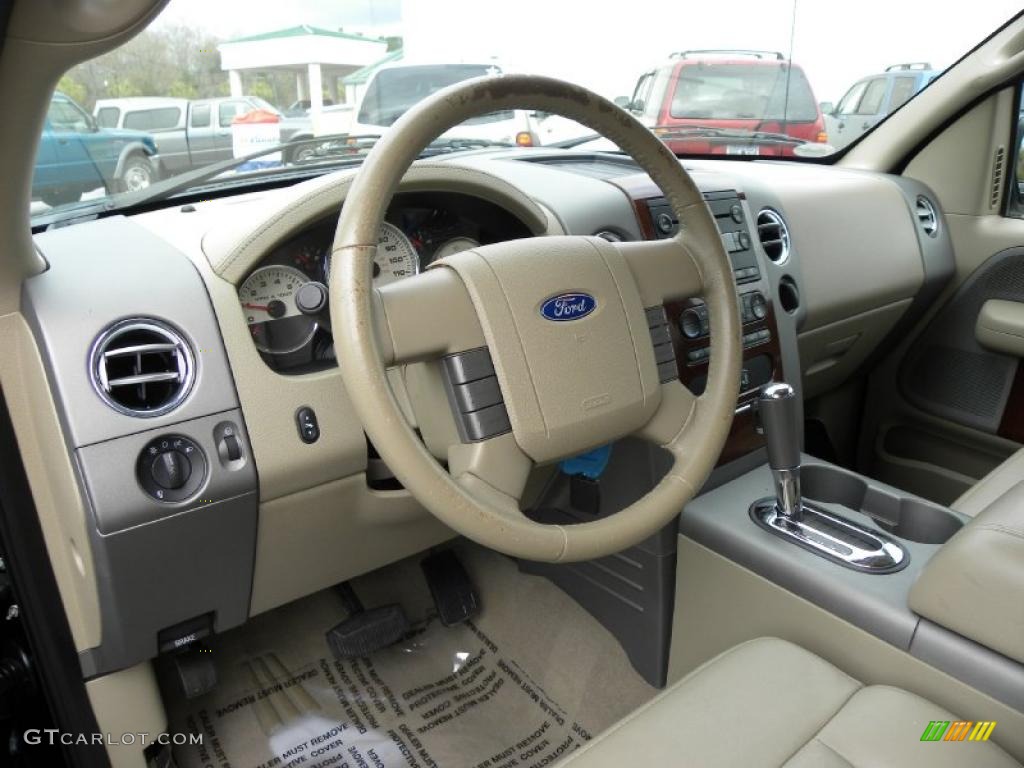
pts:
pixel 268 301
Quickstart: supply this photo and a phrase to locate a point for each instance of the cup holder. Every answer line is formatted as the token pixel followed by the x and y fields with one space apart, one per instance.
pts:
pixel 908 518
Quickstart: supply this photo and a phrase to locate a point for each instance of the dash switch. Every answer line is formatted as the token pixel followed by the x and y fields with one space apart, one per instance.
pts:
pixel 305 420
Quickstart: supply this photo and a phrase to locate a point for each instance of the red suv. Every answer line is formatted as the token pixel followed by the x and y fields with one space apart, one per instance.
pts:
pixel 729 103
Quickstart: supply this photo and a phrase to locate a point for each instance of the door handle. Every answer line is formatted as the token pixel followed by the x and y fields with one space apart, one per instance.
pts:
pixel 62 142
pixel 841 126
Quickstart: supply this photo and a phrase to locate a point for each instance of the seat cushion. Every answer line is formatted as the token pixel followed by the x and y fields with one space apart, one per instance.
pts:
pixel 771 703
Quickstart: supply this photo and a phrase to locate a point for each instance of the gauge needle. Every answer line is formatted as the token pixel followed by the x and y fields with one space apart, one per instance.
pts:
pixel 260 307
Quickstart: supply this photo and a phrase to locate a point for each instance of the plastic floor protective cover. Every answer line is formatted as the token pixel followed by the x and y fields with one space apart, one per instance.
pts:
pixel 523 684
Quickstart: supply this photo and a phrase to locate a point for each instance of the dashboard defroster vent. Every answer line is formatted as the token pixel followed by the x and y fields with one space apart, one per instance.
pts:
pixel 997 176
pixel 773 234
pixel 926 216
pixel 142 367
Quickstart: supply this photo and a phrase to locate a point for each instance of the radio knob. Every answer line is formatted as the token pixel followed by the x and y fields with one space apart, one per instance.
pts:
pixel 690 323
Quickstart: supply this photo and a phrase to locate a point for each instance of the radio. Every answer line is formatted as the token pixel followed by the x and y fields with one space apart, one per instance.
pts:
pixel 732 225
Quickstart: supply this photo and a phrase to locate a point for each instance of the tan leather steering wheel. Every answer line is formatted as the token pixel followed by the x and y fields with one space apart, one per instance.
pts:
pixel 568 385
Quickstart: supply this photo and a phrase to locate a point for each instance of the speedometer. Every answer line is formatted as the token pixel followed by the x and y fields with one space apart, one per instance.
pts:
pixel 396 257
pixel 268 301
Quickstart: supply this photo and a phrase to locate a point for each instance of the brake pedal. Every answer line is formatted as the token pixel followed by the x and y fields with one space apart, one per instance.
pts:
pixel 365 631
pixel 196 671
pixel 454 594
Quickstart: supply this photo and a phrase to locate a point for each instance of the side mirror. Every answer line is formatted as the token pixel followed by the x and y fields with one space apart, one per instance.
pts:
pixel 623 101
pixel 827 108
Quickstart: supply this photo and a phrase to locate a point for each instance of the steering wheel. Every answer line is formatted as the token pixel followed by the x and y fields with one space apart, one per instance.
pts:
pixel 564 324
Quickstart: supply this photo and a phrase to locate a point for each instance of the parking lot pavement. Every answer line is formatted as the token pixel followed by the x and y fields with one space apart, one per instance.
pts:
pixel 38 207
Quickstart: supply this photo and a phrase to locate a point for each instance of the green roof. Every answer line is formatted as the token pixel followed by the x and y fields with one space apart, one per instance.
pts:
pixel 360 76
pixel 303 30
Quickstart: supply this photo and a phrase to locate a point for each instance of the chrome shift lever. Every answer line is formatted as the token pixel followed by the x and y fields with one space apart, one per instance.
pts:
pixel 779 413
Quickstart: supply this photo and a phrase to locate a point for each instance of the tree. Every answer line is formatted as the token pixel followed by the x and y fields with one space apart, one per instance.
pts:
pixel 178 61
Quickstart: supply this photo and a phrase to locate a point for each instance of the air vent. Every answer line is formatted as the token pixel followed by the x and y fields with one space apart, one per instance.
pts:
pixel 142 367
pixel 997 177
pixel 774 235
pixel 926 216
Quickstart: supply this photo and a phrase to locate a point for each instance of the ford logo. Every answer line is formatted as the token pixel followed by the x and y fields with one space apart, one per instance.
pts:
pixel 568 306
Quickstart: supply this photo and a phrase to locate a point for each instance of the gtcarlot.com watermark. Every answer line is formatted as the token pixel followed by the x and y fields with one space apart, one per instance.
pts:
pixel 52 736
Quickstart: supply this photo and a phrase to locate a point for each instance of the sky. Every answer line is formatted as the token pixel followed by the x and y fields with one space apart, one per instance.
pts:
pixel 606 46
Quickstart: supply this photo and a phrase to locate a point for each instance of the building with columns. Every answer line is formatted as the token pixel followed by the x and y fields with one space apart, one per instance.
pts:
pixel 319 58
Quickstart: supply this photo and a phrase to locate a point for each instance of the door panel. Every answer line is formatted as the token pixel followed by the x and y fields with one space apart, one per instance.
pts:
pixel 942 410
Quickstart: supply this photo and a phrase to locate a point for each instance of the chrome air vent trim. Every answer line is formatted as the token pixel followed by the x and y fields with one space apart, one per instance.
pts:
pixel 927 218
pixel 142 367
pixel 774 235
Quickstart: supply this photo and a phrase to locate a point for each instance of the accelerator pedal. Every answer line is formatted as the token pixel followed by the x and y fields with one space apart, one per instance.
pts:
pixel 365 631
pixel 454 594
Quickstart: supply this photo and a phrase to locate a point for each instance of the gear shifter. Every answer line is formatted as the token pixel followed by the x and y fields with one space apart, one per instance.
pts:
pixel 779 410
pixel 811 525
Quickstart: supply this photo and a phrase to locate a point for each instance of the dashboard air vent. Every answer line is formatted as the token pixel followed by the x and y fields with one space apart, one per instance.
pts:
pixel 926 216
pixel 773 234
pixel 142 367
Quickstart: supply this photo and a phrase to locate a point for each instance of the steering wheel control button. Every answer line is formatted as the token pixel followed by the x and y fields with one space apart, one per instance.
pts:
pixel 469 366
pixel 308 426
pixel 475 395
pixel 171 468
pixel 478 394
pixel 486 423
pixel 661 339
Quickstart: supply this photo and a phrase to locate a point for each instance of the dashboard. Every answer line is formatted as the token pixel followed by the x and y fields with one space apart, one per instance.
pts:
pixel 209 363
pixel 284 298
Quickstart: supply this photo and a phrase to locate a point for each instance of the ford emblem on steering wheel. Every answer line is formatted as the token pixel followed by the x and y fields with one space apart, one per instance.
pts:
pixel 568 306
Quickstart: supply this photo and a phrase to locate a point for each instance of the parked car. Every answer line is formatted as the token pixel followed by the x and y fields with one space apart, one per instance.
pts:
pixel 76 155
pixel 394 88
pixel 872 98
pixel 188 134
pixel 728 102
pixel 301 107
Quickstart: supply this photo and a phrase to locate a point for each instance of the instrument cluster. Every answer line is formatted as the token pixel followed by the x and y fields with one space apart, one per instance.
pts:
pixel 285 299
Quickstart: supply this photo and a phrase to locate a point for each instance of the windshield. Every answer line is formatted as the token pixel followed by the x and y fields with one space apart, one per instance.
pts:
pixel 207 96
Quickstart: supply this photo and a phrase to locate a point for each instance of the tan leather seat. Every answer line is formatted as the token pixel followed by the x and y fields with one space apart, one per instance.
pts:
pixel 771 703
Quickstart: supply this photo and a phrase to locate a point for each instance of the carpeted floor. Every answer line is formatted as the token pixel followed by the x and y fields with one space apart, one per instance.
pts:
pixel 523 684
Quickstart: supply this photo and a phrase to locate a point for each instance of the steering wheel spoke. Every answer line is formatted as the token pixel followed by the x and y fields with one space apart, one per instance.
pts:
pixel 495 468
pixel 425 317
pixel 664 270
pixel 674 415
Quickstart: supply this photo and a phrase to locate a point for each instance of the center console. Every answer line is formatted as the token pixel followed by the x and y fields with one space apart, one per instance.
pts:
pixel 743 238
